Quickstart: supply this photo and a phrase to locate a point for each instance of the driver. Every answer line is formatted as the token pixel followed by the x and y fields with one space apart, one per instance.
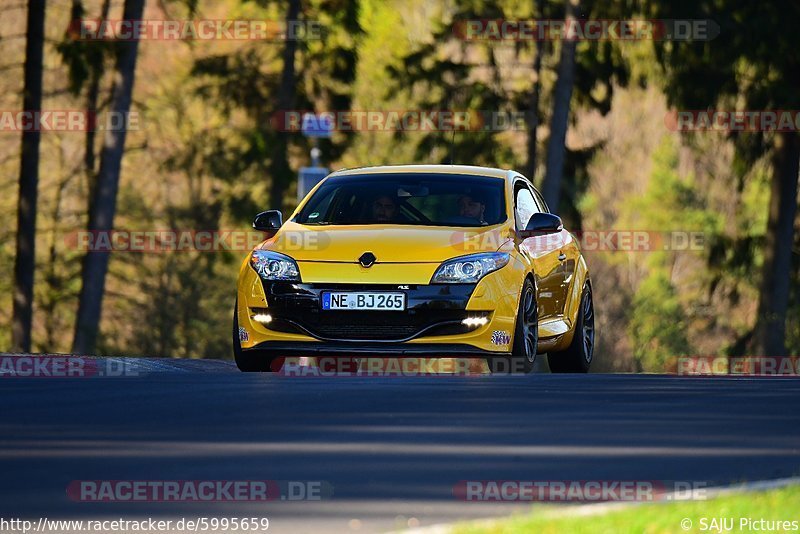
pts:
pixel 472 207
pixel 384 209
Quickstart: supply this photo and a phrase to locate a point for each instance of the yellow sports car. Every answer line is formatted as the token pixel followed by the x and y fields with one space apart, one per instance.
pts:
pixel 416 261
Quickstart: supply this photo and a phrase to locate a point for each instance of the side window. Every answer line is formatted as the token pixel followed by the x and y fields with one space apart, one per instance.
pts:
pixel 525 206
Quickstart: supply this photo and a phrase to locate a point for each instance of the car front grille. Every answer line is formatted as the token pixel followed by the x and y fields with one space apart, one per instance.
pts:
pixel 431 310
pixel 355 325
pixel 372 332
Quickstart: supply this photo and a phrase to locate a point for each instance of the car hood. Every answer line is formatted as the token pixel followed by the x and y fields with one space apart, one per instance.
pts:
pixel 389 243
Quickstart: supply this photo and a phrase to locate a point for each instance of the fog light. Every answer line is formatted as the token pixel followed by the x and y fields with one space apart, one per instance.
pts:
pixel 475 321
pixel 262 318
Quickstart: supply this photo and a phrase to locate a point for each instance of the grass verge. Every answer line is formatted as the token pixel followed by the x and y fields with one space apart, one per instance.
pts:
pixel 772 506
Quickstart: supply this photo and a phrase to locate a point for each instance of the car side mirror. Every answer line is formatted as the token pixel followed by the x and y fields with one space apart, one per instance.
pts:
pixel 268 221
pixel 541 224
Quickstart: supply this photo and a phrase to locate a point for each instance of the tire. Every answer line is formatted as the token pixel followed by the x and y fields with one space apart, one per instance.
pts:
pixel 578 356
pixel 252 361
pixel 526 337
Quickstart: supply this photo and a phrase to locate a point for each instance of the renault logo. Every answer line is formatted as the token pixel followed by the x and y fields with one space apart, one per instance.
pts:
pixel 367 259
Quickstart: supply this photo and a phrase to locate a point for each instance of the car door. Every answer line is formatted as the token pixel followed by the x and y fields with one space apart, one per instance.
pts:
pixel 568 257
pixel 543 252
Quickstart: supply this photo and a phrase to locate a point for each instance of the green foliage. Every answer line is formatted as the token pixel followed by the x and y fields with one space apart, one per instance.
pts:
pixel 751 65
pixel 445 72
pixel 658 326
pixel 380 50
pixel 244 82
pixel 672 202
pixel 671 206
pixel 440 74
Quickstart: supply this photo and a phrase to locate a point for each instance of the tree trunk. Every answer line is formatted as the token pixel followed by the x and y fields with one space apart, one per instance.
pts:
pixel 556 145
pixel 92 96
pixel 53 270
pixel 770 335
pixel 279 170
pixel 533 118
pixel 101 216
pixel 25 261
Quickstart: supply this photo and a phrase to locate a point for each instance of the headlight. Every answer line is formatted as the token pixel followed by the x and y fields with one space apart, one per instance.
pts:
pixel 274 266
pixel 470 268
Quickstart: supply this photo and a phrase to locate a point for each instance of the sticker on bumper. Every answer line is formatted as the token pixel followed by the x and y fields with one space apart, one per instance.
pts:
pixel 243 335
pixel 500 337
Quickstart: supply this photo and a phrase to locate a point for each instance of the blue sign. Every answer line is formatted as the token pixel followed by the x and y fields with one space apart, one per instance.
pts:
pixel 317 125
pixel 308 178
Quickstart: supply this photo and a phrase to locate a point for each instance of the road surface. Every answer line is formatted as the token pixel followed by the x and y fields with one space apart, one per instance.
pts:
pixel 390 448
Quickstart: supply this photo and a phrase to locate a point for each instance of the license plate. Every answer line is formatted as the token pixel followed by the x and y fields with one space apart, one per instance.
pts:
pixel 332 300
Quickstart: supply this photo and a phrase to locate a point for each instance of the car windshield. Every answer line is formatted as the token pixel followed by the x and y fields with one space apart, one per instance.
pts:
pixel 412 199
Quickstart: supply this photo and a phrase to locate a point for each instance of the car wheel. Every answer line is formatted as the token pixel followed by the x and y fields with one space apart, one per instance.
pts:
pixel 526 336
pixel 252 361
pixel 578 356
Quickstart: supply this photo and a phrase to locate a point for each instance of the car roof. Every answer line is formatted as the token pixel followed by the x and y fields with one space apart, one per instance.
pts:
pixel 449 169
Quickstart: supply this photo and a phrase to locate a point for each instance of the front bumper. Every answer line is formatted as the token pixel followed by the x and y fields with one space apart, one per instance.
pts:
pixel 431 323
pixel 364 349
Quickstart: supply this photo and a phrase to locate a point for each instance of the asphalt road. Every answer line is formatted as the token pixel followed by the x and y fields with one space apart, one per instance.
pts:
pixel 392 449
